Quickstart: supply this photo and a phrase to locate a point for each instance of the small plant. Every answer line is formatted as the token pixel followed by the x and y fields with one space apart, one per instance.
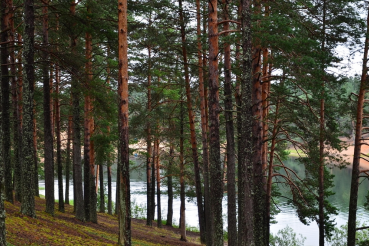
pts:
pixel 339 236
pixel 138 211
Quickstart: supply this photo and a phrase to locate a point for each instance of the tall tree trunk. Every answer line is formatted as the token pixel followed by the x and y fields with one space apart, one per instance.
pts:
pixel 204 127
pixel 153 179
pixel 259 192
pixel 170 187
pixel 182 219
pixel 200 208
pixel 89 188
pixel 149 149
pixel 18 165
pixel 77 163
pixel 351 231
pixel 2 208
pixel 35 155
pixel 28 200
pixel 5 90
pixel 48 137
pixel 13 74
pixel 321 221
pixel 158 201
pixel 216 181
pixel 102 195
pixel 58 141
pixel 67 162
pixel 124 186
pixel 271 162
pixel 110 209
pixel 245 167
pixel 231 158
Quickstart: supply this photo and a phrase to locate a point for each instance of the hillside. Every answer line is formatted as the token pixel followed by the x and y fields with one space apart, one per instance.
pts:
pixel 64 229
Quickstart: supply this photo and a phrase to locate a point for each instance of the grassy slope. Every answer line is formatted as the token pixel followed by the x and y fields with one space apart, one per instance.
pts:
pixel 64 229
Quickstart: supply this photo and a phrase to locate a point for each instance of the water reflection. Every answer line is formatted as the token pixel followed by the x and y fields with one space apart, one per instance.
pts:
pixel 287 215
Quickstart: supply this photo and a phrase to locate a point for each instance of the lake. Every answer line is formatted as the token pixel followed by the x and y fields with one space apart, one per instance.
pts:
pixel 286 217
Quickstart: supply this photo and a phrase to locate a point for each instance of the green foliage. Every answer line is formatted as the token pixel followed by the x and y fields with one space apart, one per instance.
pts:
pixel 339 237
pixel 138 211
pixel 286 237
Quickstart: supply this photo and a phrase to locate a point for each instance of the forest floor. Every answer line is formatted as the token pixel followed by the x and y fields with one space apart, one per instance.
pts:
pixel 64 229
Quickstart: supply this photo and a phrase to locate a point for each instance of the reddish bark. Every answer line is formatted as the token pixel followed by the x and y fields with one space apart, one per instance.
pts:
pixel 192 129
pixel 124 186
pixel 204 126
pixel 351 231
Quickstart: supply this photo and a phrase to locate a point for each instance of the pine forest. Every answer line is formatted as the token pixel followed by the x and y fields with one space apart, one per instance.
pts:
pixel 243 110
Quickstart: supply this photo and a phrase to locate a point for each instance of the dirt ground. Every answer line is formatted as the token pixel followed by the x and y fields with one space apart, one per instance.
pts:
pixel 65 229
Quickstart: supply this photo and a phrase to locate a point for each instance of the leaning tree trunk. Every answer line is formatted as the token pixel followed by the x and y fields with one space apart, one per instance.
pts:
pixel 200 208
pixel 351 231
pixel 28 200
pixel 124 186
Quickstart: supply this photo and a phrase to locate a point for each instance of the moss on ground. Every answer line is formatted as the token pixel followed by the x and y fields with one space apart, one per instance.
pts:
pixel 64 229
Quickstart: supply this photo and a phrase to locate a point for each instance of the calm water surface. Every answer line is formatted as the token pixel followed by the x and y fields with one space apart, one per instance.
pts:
pixel 286 217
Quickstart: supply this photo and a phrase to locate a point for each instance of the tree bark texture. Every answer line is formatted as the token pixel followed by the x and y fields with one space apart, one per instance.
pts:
pixel 245 167
pixel 48 137
pixel 102 195
pixel 2 181
pixel 153 178
pixel 77 162
pixel 28 201
pixel 18 165
pixel 58 141
pixel 158 180
pixel 351 231
pixel 110 208
pixel 192 130
pixel 182 220
pixel 231 158
pixel 68 161
pixel 124 186
pixel 216 171
pixel 149 148
pixel 16 117
pixel 5 90
pixel 321 221
pixel 204 127
pixel 170 187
